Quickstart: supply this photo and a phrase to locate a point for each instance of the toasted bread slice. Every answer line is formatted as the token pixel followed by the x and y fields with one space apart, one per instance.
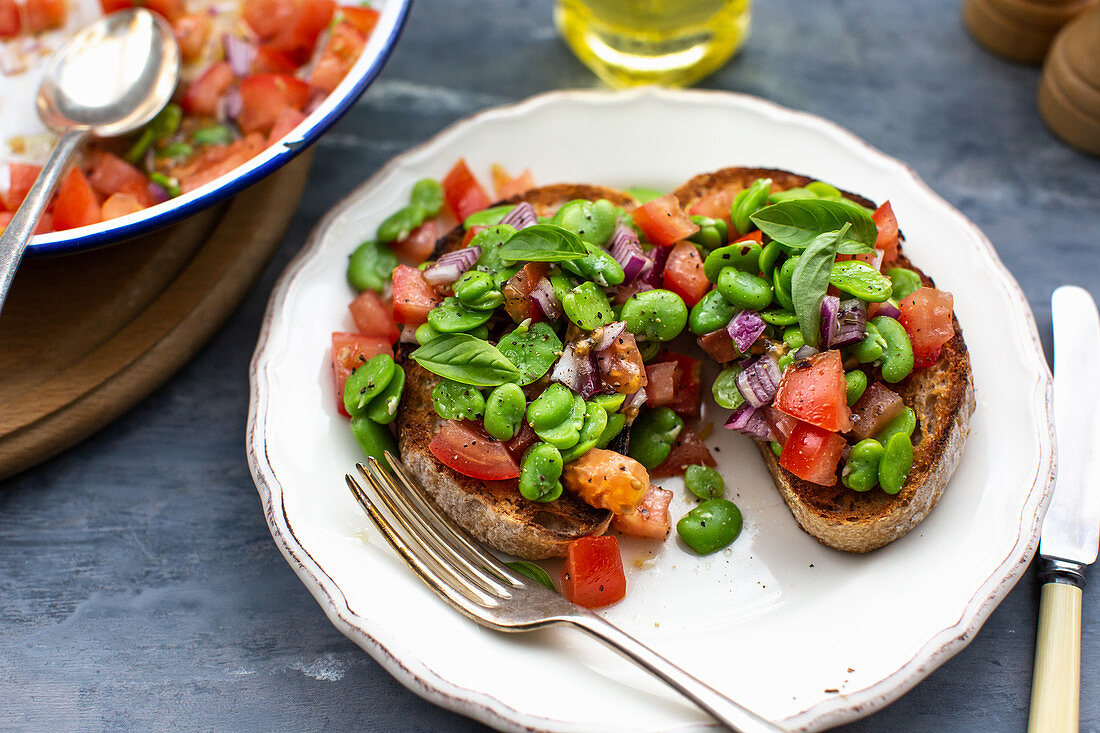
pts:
pixel 494 511
pixel 942 396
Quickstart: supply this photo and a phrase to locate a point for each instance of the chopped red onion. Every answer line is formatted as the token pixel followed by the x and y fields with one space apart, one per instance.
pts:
pixel 626 250
pixel 659 256
pixel 634 401
pixel 157 192
pixel 759 380
pixel 744 328
pixel 230 105
pixel 877 263
pixel 750 421
pixel 239 53
pixel 889 309
pixel 578 373
pixel 451 266
pixel 610 332
pixel 830 306
pixel 314 102
pixel 851 323
pixel 544 297
pixel 408 335
pixel 522 216
pixel 781 423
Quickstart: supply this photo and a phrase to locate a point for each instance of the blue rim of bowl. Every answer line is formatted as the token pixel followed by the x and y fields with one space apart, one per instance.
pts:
pixel 275 157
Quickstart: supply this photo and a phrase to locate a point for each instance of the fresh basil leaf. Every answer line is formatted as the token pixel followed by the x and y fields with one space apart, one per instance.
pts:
pixel 810 282
pixel 543 243
pixel 852 247
pixel 798 222
pixel 532 571
pixel 466 359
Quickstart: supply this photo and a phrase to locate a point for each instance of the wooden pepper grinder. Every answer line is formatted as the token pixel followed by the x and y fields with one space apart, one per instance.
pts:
pixel 1069 94
pixel 1021 30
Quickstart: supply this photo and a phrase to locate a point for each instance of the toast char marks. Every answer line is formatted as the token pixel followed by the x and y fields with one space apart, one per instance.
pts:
pixel 942 396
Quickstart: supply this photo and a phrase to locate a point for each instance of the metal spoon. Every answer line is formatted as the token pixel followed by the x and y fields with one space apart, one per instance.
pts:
pixel 109 79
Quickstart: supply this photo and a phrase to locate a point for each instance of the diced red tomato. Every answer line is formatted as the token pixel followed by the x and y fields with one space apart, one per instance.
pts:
pixel 361 17
pixel 462 191
pixel 814 391
pixel 593 575
pixel 684 273
pixel 517 292
pixel 650 520
pixel 719 346
pixel 686 401
pixel 926 315
pixel 714 205
pixel 45 14
pixel 753 236
pixel 170 9
pixel 507 185
pixel 76 204
pixel 203 94
pixel 663 221
pixel 111 174
pixel 21 177
pixel 5 219
pixel 10 21
pixel 264 97
pixel 522 440
pixel 471 233
pixel 688 450
pixel 621 366
pixel 191 32
pixel 288 119
pixel 45 222
pixel 349 350
pixel 216 160
pixel 812 453
pixel 413 297
pixel 120 204
pixel 270 61
pixel 459 446
pixel 373 316
pixel 420 243
pixel 339 55
pixel 289 25
pixel 887 225
pixel 661 381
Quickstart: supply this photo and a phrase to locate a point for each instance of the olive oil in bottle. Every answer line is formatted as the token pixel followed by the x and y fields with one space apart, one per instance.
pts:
pixel 668 42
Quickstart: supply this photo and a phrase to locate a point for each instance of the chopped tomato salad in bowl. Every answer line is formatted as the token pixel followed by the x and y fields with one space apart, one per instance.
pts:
pixel 261 80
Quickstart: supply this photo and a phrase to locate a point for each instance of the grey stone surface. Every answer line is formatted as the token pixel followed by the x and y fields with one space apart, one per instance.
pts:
pixel 139 587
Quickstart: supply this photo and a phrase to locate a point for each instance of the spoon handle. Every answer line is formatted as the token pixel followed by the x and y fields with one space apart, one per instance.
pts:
pixel 14 239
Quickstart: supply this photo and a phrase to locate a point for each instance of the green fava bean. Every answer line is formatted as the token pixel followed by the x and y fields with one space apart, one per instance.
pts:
pixel 451 316
pixel 785 361
pixel 371 266
pixel 550 408
pixel 652 436
pixel 896 463
pixel 904 283
pixel 645 195
pixel 616 421
pixel 748 202
pixel 777 448
pixel 476 289
pixel 595 421
pixel 769 257
pixel 609 402
pixel 487 217
pixel 778 317
pixel 897 357
pixel 539 474
pixel 567 433
pixel 504 411
pixel 425 333
pixel 655 315
pixel 562 284
pixel 782 283
pixel 742 255
pixel 454 400
pixel 491 239
pixel 592 221
pixel 532 349
pixel 743 290
pixel 373 439
pixel 711 313
pixel 712 234
pixel 861 280
pixel 648 349
pixel 905 423
pixel 861 470
pixel 793 338
pixel 427 193
pixel 597 266
pixel 855 383
pixel 586 305
pixel 399 225
pixel 823 190
pixel 704 482
pixel 383 408
pixel 870 348
pixel 709 527
pixel 725 390
pixel 367 382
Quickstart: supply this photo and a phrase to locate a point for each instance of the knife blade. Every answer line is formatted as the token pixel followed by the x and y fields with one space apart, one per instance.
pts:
pixel 1071 528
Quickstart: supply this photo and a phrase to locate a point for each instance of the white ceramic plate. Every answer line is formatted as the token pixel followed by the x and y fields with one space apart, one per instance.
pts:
pixel 18 92
pixel 792 629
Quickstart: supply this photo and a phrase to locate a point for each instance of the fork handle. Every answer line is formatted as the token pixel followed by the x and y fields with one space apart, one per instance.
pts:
pixel 721 707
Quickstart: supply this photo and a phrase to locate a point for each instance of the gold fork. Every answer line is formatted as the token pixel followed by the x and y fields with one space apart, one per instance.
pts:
pixel 474 581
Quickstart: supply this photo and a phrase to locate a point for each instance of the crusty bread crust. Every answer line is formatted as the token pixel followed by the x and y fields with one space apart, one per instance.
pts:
pixel 942 396
pixel 494 511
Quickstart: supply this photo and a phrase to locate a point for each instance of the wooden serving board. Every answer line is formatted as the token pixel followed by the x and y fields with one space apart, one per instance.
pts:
pixel 84 337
